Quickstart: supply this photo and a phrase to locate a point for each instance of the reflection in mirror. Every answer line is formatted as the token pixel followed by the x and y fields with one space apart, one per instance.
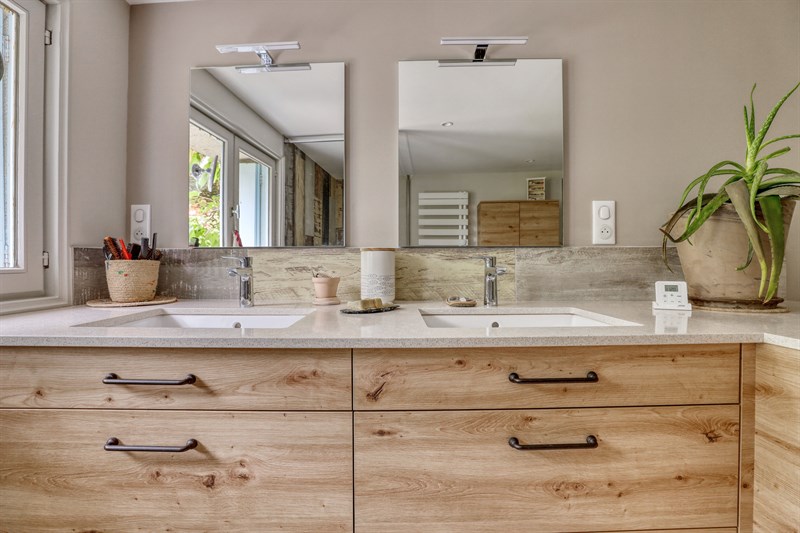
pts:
pixel 481 154
pixel 266 157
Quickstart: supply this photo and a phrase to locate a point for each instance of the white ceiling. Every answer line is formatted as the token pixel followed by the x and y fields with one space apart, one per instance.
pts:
pixel 502 117
pixel 297 104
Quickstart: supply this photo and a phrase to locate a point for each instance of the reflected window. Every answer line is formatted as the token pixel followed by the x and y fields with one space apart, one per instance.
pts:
pixel 283 171
pixel 233 188
pixel 255 212
pixel 206 152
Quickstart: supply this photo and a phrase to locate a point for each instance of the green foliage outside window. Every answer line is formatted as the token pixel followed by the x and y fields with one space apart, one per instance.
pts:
pixel 204 201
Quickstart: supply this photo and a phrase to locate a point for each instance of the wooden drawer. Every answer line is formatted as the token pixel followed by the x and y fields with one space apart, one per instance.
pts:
pixel 250 472
pixel 225 379
pixel 653 468
pixel 478 378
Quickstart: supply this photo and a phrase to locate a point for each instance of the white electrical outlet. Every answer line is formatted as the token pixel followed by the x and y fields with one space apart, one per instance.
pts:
pixel 140 222
pixel 604 222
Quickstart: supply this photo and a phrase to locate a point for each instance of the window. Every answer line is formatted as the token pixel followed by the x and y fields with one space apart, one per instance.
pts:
pixel 233 188
pixel 8 136
pixel 206 158
pixel 255 186
pixel 22 149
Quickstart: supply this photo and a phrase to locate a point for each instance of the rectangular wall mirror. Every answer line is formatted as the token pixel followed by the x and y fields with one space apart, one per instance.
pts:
pixel 266 157
pixel 481 154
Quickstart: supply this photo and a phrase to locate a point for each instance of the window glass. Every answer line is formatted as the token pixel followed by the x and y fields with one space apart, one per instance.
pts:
pixel 206 152
pixel 22 222
pixel 254 207
pixel 9 49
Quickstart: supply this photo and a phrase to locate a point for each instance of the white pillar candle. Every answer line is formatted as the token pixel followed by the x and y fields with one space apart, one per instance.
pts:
pixel 377 274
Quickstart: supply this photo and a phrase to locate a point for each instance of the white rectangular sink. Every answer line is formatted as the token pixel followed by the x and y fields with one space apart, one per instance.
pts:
pixel 216 320
pixel 537 318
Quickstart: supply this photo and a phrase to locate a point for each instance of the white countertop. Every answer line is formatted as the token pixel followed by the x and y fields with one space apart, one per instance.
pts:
pixel 326 327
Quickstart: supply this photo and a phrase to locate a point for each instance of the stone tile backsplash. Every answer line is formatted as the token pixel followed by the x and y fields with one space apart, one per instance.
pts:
pixel 593 272
pixel 283 275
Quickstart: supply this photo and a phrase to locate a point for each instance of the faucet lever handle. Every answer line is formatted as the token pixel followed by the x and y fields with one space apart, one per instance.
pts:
pixel 244 262
pixel 501 270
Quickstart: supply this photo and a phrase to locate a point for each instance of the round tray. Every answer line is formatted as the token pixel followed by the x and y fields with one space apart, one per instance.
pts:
pixel 383 309
pixel 107 302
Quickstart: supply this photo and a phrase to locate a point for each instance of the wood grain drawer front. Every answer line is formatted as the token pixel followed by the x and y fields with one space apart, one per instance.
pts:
pixel 653 468
pixel 478 378
pixel 250 471
pixel 225 379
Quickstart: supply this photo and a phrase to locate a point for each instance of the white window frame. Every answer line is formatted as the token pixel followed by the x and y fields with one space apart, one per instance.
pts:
pixel 229 188
pixel 48 194
pixel 226 202
pixel 26 277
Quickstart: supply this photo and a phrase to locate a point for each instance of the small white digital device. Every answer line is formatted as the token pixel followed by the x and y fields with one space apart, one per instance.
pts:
pixel 672 295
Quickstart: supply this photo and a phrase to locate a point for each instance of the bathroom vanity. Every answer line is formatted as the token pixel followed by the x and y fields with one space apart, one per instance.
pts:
pixel 333 425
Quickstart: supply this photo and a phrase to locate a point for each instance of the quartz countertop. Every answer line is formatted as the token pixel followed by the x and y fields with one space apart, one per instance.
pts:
pixel 326 327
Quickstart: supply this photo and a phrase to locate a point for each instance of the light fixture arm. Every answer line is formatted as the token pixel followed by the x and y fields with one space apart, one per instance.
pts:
pixel 481 47
pixel 262 51
pixel 266 59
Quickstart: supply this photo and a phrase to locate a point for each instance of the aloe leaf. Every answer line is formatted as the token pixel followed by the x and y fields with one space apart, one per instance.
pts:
pixel 676 216
pixel 669 225
pixel 751 128
pixel 756 145
pixel 784 191
pixel 708 209
pixel 749 257
pixel 739 169
pixel 778 170
pixel 753 190
pixel 776 153
pixel 767 185
pixel 740 198
pixel 772 210
pixel 776 139
pixel 713 171
pixel 787 176
pixel 747 132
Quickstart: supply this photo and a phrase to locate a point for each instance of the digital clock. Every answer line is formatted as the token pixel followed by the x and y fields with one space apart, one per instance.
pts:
pixel 672 295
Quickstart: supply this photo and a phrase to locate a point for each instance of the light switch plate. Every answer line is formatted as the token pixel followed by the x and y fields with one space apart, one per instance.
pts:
pixel 140 222
pixel 604 222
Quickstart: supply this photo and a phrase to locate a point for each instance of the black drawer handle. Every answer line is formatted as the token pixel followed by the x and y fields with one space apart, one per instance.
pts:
pixel 591 377
pixel 113 445
pixel 113 379
pixel 591 442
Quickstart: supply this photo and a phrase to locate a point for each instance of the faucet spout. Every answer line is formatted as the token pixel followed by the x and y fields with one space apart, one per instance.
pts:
pixel 490 273
pixel 245 274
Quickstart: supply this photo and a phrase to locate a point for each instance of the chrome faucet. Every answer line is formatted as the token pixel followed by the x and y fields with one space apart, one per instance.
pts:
pixel 245 274
pixel 490 273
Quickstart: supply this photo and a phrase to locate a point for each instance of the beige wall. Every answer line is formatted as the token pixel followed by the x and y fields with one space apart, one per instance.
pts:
pixel 96 77
pixel 653 92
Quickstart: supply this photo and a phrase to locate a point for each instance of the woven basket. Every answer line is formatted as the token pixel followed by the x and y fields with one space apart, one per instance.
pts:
pixel 132 281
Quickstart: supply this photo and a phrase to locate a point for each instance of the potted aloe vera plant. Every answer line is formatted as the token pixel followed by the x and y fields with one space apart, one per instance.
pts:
pixel 720 233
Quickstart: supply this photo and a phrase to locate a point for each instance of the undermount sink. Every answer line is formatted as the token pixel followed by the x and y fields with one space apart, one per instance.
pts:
pixel 567 317
pixel 177 319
